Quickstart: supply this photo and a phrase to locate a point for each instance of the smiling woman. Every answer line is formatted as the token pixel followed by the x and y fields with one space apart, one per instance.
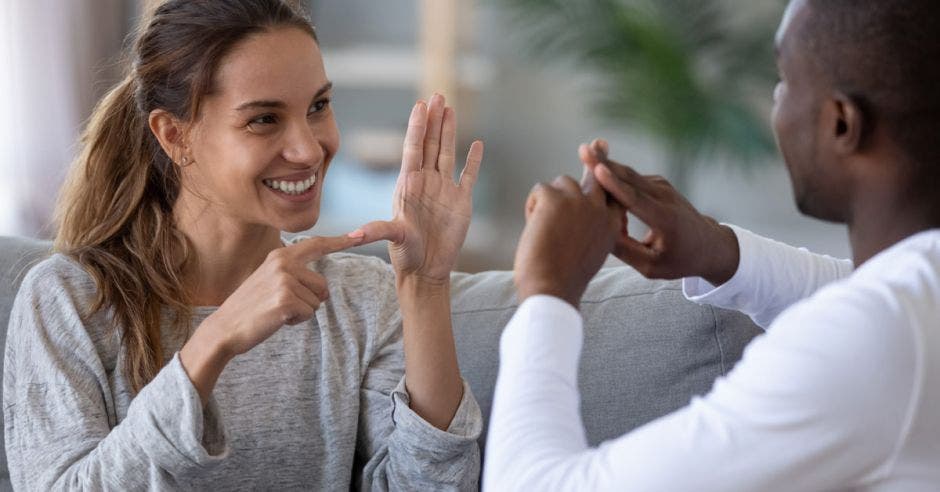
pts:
pixel 153 350
pixel 255 127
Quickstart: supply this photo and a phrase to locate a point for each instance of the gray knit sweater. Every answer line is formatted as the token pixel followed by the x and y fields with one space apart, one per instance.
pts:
pixel 318 406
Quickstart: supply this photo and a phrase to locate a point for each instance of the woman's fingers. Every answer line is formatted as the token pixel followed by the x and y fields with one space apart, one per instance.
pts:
pixel 308 296
pixel 432 137
pixel 301 307
pixel 413 153
pixel 446 161
pixel 471 170
pixel 378 230
pixel 314 282
pixel 314 248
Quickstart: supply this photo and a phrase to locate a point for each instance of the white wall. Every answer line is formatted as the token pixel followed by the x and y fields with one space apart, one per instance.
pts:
pixel 53 55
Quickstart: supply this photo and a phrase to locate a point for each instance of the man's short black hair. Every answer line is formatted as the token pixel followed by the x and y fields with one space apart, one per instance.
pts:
pixel 885 54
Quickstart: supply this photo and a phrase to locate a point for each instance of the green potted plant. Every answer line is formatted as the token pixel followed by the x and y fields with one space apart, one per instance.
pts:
pixel 693 75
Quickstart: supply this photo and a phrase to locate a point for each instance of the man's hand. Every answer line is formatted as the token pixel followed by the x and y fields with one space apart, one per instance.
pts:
pixel 681 242
pixel 569 232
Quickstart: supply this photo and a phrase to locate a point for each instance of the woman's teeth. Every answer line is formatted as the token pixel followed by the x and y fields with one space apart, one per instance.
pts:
pixel 291 187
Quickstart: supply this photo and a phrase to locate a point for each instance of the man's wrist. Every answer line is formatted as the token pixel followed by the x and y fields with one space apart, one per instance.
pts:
pixel 528 290
pixel 726 256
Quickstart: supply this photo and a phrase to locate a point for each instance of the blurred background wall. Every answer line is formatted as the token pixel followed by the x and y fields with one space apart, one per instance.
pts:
pixel 679 87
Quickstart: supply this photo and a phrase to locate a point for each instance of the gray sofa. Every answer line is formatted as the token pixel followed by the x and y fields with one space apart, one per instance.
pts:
pixel 647 350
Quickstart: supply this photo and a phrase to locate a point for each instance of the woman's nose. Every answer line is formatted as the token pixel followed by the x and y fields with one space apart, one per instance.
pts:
pixel 302 145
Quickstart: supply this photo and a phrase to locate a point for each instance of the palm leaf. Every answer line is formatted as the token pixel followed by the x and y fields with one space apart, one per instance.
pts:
pixel 675 69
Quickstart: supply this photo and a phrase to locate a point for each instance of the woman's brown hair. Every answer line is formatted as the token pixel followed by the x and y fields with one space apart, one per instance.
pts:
pixel 115 211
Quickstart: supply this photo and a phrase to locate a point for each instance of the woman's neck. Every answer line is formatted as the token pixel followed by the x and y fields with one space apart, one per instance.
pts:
pixel 227 251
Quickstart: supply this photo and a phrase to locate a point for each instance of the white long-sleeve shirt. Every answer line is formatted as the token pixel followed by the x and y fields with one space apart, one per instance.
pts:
pixel 841 392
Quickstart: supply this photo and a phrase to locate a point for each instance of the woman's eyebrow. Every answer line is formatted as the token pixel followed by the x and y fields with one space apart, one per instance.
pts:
pixel 323 90
pixel 277 104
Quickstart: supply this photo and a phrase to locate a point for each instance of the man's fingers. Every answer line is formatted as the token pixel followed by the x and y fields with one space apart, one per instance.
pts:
pixel 471 170
pixel 413 153
pixel 588 157
pixel 540 193
pixel 432 137
pixel 600 148
pixel 532 200
pixel 627 195
pixel 635 254
pixel 382 229
pixel 447 157
pixel 627 174
pixel 591 188
pixel 566 184
pixel 587 177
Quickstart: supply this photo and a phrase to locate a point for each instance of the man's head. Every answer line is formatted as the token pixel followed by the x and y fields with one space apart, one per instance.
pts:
pixel 859 98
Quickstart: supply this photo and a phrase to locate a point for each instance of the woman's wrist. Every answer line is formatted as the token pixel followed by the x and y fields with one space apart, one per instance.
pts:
pixel 433 377
pixel 418 286
pixel 204 357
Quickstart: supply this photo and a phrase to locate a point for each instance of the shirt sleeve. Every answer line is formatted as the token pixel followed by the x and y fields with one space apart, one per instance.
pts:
pixel 771 276
pixel 400 450
pixel 61 427
pixel 797 413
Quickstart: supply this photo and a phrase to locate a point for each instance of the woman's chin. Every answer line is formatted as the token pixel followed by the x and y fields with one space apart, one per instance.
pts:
pixel 299 224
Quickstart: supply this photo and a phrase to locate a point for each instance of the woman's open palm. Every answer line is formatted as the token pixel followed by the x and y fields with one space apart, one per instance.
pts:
pixel 431 211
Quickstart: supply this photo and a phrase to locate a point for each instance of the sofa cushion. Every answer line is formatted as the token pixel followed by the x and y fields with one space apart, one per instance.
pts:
pixel 647 350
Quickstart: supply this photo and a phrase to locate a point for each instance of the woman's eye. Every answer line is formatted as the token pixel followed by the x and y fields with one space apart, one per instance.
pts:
pixel 319 106
pixel 268 119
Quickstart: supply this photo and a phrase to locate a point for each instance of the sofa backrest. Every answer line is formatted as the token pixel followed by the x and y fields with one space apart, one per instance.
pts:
pixel 647 350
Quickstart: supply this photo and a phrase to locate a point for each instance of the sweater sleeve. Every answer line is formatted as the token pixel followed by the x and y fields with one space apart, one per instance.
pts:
pixel 61 427
pixel 771 276
pixel 400 450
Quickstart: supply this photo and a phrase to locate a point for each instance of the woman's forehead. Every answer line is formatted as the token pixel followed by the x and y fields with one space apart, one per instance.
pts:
pixel 280 64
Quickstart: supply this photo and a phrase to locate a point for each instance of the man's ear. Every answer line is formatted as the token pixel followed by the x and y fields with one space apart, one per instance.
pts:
pixel 847 123
pixel 169 132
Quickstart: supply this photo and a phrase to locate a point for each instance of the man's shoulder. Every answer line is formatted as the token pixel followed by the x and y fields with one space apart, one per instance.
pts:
pixel 903 278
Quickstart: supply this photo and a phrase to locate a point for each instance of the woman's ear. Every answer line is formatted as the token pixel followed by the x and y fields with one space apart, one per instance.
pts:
pixel 848 124
pixel 169 132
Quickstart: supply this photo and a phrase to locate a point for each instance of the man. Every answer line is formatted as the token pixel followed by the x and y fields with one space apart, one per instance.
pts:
pixel 843 391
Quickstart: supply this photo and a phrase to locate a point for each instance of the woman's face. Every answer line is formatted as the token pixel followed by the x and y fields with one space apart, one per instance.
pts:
pixel 265 134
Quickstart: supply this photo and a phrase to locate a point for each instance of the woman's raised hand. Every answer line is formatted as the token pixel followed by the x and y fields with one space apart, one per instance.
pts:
pixel 431 210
